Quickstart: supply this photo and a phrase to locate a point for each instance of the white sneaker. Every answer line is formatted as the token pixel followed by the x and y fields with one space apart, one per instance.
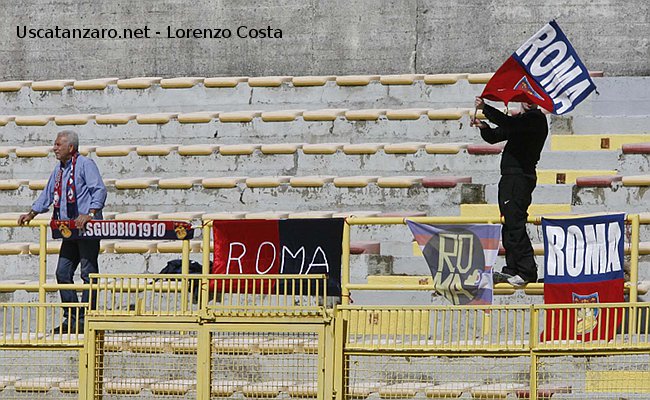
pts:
pixel 517 281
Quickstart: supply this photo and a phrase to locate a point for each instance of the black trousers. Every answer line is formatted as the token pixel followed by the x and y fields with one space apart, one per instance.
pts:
pixel 72 254
pixel 515 195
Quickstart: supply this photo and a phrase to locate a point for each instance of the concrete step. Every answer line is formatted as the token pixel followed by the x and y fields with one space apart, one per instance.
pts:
pixel 630 199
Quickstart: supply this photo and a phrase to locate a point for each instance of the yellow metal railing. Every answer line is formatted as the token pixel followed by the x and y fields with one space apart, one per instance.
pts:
pixel 19 324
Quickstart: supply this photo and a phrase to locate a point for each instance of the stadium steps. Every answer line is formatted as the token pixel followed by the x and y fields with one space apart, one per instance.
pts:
pixel 595 142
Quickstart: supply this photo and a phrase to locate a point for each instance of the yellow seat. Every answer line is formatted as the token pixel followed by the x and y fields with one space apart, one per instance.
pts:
pixel 267 181
pixel 636 180
pixel 443 79
pixel 94 84
pixel 12 184
pixel 280 148
pixel 223 182
pixel 492 210
pixel 364 115
pixel 135 183
pixel 35 151
pixel 354 181
pixel 52 85
pixel 135 246
pixel 311 214
pixel 173 387
pixel 5 119
pixel 75 119
pixel 224 82
pixel 6 150
pixel 568 176
pixel 238 149
pixel 356 214
pixel 480 78
pixel 310 181
pixel 406 114
pixel 356 80
pixel 268 215
pixel 404 148
pixel 200 117
pixel 156 149
pixel 446 114
pixel 137 215
pixel 445 148
pixel 138 83
pixel 13 86
pixel 181 215
pixel 176 246
pixel 127 385
pixel 181 83
pixel 281 116
pixel 114 151
pixel 69 386
pixel 37 184
pixel 449 389
pixel 405 79
pixel 363 148
pixel 327 114
pixel 595 142
pixel 198 149
pixel 33 120
pixel 268 81
pixel 179 183
pixel 187 345
pixel 156 118
pixel 302 390
pixel 51 247
pixel 398 181
pixel 41 384
pixel 404 389
pixel 312 80
pixel 361 390
pixel 114 119
pixel 322 148
pixel 496 390
pixel 107 246
pixel 9 248
pixel 224 215
pixel 226 388
pixel 267 389
pixel 239 116
pixel 85 150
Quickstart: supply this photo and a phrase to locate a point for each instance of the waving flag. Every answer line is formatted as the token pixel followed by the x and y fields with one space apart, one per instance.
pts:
pixel 545 71
pixel 460 258
pixel 583 264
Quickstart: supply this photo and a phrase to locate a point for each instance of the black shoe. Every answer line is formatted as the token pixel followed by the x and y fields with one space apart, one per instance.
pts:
pixel 67 327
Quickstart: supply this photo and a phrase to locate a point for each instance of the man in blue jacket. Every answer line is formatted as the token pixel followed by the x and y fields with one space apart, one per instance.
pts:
pixel 77 192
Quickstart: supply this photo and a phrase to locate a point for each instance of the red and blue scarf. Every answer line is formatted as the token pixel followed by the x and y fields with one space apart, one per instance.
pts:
pixel 71 193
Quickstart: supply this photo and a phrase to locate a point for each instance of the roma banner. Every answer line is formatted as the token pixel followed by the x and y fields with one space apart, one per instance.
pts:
pixel 288 246
pixel 545 70
pixel 460 258
pixel 583 263
pixel 123 229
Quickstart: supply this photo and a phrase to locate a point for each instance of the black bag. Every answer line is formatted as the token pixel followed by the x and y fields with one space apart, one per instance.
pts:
pixel 175 267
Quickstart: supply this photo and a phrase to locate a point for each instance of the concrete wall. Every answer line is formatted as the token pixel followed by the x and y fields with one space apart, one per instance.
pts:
pixel 318 37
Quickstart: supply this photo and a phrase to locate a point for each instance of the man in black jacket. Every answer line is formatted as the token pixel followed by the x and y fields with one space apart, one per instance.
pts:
pixel 526 134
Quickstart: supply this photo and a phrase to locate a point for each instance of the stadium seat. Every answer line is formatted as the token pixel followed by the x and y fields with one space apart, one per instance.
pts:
pixel 179 183
pixel 224 82
pixel 266 181
pixel 365 115
pixel 5 119
pixel 299 81
pixel 404 389
pixel 51 247
pixel 450 390
pixel 226 388
pixel 37 184
pixel 356 80
pixel 114 119
pixel 567 176
pixel 35 151
pixel 224 215
pixel 281 116
pixel 52 85
pixel 479 78
pixel 199 117
pixel 135 183
pixel 268 81
pixel 280 148
pixel 156 118
pixel 38 385
pixel 444 181
pixel 180 83
pixel 406 114
pixel 127 386
pixel 598 181
pixel 310 181
pixel 492 210
pixel 173 387
pixel 303 390
pixel 267 389
pixel 33 120
pixel 495 390
pixel 135 246
pixel 198 149
pixel 636 180
pixel 311 214
pixel 223 182
pixel 484 149
pixel 138 83
pixel 239 116
pixel 595 142
pixel 404 148
pixel 363 148
pixel 636 148
pixel 73 119
pixel 137 215
pixel 406 79
pixel 365 247
pixel 446 114
pixel 445 148
pixel 362 389
pixel 354 181
pixel 238 149
pixel 443 79
pixel 13 86
pixel 69 386
pixel 9 248
pixel 322 148
pixel 156 149
pixel 12 184
pixel 267 215
pixel 399 181
pixel 328 114
pixel 94 84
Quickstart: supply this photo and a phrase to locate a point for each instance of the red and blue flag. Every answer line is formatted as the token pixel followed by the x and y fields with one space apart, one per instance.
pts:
pixel 583 264
pixel 546 71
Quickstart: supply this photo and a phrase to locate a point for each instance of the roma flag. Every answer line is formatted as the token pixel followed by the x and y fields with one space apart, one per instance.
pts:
pixel 583 264
pixel 545 70
pixel 460 258
pixel 291 246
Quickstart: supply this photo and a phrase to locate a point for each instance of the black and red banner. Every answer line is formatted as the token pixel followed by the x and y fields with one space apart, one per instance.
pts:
pixel 291 246
pixel 123 229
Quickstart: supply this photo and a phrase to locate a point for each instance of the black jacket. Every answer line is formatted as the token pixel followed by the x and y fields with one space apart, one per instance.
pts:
pixel 525 133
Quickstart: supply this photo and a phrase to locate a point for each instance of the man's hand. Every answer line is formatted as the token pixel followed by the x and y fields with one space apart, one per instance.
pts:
pixel 478 123
pixel 82 220
pixel 479 103
pixel 25 218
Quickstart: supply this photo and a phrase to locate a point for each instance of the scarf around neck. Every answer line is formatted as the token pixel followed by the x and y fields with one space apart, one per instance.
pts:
pixel 71 193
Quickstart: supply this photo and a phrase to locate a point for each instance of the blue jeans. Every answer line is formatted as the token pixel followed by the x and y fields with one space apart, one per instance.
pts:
pixel 73 253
